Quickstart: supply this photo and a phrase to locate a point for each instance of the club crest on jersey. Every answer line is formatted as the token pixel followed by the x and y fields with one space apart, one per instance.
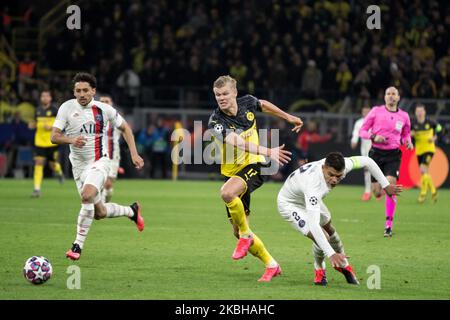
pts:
pixel 250 116
pixel 49 113
pixel 427 126
pixel 76 114
pixel 98 117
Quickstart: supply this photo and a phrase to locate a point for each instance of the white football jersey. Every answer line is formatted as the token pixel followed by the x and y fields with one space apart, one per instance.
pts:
pixel 114 135
pixel 91 122
pixel 306 186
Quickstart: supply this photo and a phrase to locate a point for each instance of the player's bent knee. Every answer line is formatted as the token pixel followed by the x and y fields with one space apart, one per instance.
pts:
pixel 87 196
pixel 99 215
pixel 108 184
pixel 227 196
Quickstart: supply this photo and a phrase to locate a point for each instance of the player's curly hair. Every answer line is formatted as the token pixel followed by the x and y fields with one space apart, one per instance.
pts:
pixel 85 77
pixel 335 160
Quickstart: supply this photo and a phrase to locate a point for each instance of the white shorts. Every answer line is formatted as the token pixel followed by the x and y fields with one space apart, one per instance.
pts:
pixel 94 174
pixel 114 165
pixel 299 219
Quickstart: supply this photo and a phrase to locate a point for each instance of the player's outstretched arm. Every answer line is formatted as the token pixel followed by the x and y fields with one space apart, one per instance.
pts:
pixel 270 108
pixel 58 137
pixel 375 171
pixel 129 138
pixel 277 154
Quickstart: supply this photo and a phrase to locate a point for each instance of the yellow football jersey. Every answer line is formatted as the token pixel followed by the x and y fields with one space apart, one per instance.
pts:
pixel 244 124
pixel 44 117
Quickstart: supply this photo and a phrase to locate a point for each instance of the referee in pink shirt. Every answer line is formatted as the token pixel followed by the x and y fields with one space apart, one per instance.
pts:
pixel 388 127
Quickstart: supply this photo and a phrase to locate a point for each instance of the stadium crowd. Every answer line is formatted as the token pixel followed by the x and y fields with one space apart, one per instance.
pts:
pixel 315 49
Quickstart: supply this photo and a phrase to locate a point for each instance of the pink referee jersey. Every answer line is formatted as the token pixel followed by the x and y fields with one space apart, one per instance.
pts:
pixel 395 127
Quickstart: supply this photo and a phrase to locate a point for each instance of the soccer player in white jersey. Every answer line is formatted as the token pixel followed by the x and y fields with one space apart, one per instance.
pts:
pixel 300 203
pixel 366 144
pixel 84 121
pixel 114 135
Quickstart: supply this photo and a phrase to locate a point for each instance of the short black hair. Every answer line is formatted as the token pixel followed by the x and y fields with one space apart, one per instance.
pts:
pixel 106 95
pixel 85 77
pixel 335 160
pixel 420 105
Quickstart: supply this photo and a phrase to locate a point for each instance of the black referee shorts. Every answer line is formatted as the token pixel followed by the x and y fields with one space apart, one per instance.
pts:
pixel 252 177
pixel 387 160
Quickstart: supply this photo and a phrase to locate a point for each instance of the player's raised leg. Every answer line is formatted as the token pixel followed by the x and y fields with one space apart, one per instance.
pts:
pixel 114 210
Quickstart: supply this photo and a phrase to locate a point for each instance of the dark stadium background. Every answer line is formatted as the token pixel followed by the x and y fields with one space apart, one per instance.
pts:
pixel 158 60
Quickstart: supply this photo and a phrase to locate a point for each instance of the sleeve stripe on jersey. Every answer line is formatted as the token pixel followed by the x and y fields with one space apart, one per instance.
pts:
pixel 356 162
pixel 98 117
pixel 110 140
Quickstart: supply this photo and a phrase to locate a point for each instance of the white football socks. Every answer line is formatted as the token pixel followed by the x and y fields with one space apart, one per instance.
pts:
pixel 336 244
pixel 319 257
pixel 113 210
pixel 85 218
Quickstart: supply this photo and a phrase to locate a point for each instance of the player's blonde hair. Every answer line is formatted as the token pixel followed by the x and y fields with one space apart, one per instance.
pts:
pixel 223 80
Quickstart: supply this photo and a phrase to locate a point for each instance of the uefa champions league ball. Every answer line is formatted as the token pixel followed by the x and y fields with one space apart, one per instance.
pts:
pixel 37 269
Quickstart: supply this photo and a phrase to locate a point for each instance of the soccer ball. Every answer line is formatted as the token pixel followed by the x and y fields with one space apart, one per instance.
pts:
pixel 37 269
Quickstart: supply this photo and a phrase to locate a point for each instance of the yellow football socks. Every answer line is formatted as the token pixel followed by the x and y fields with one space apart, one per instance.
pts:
pixel 57 169
pixel 429 183
pixel 258 250
pixel 423 185
pixel 237 212
pixel 38 175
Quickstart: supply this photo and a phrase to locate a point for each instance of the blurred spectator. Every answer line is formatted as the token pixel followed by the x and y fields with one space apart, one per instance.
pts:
pixel 344 78
pixel 425 87
pixel 264 44
pixel 6 21
pixel 27 69
pixel 311 81
pixel 129 82
pixel 160 141
pixel 305 138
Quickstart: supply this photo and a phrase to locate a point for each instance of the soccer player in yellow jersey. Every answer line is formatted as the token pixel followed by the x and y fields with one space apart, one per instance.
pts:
pixel 234 124
pixel 424 131
pixel 44 149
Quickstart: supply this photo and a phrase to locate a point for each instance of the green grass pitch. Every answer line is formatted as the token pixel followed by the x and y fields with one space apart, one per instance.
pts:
pixel 185 250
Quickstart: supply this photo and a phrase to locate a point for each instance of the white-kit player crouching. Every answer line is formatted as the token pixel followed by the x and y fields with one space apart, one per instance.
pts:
pixel 300 203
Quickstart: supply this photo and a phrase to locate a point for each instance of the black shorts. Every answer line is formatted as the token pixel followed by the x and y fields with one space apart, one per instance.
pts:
pixel 252 177
pixel 425 158
pixel 50 154
pixel 387 160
